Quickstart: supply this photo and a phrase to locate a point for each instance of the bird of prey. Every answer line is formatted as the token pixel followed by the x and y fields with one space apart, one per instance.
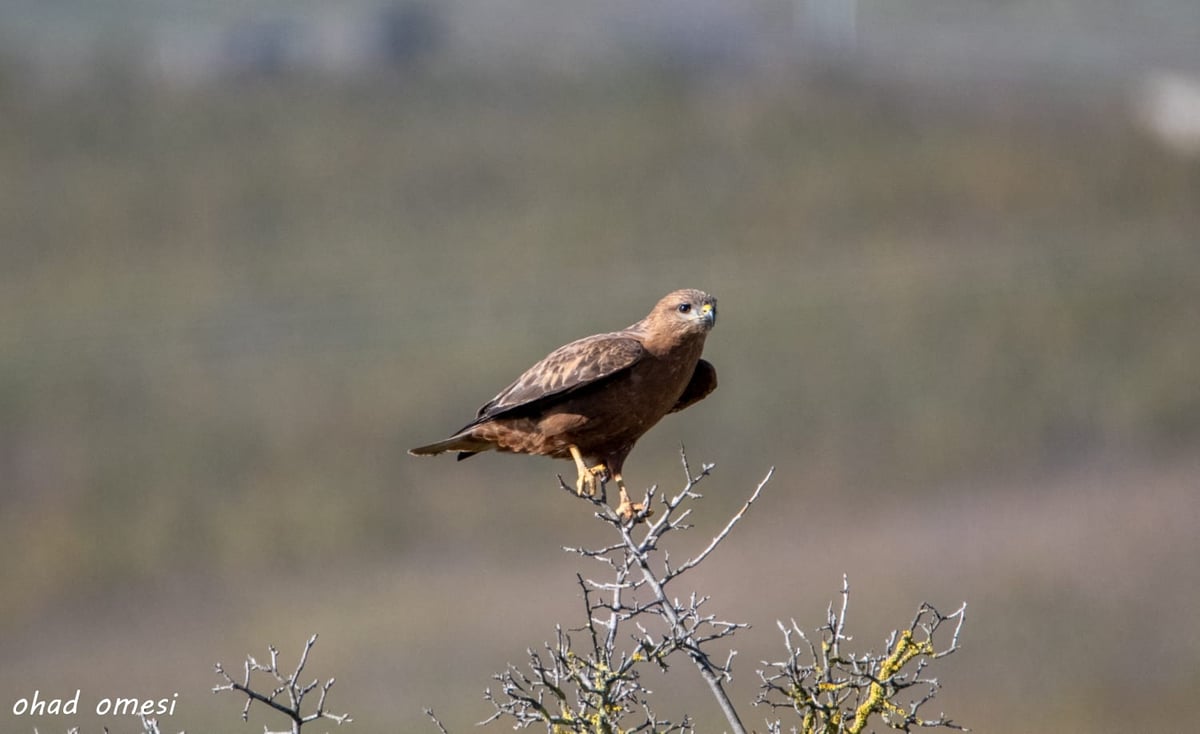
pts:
pixel 592 399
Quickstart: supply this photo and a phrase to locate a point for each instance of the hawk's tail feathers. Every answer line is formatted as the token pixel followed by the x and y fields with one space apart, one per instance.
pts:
pixel 465 444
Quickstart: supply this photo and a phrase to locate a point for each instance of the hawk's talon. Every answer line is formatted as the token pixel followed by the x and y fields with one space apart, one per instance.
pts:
pixel 633 511
pixel 591 480
pixel 627 509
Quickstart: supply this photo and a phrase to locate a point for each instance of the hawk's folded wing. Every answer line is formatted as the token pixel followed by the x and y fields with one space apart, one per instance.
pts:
pixel 567 369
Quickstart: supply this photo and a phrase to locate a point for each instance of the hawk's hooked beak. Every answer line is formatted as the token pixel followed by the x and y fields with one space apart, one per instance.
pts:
pixel 709 312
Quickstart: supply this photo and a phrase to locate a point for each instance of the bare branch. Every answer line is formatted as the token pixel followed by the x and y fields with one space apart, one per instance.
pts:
pixel 597 688
pixel 287 684
pixel 588 679
pixel 835 692
pixel 436 721
pixel 728 527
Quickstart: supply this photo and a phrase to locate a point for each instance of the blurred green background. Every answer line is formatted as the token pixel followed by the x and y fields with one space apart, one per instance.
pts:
pixel 245 266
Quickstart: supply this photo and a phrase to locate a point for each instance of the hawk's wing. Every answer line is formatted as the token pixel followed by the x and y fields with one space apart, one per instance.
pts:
pixel 704 381
pixel 565 370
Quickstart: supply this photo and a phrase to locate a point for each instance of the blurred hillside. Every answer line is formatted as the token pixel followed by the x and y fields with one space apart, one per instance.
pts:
pixel 227 308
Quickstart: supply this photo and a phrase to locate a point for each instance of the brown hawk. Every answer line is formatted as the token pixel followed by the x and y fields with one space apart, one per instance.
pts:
pixel 592 399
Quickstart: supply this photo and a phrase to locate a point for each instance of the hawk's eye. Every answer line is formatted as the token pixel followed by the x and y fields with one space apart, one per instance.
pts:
pixel 685 307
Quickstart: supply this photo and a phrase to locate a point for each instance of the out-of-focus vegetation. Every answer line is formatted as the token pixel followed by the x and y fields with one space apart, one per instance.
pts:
pixel 225 312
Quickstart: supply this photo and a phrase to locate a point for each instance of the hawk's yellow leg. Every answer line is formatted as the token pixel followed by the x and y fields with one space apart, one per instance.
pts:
pixel 588 477
pixel 626 508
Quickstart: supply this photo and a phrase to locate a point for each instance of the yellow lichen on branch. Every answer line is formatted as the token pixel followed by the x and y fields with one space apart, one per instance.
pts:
pixel 876 700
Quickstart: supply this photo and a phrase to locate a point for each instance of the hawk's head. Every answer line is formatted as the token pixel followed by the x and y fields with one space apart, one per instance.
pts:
pixel 685 311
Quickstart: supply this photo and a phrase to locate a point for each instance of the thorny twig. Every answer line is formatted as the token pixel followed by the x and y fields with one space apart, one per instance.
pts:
pixel 288 685
pixel 596 688
pixel 836 691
